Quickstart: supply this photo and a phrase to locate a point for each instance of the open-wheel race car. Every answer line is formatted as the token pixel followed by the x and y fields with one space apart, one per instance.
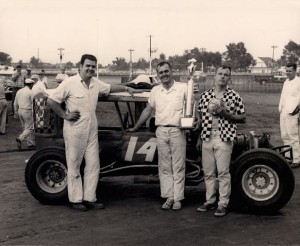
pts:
pixel 262 179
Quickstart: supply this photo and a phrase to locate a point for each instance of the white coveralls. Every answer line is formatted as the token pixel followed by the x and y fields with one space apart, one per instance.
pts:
pixel 23 105
pixel 81 136
pixel 289 125
pixel 3 109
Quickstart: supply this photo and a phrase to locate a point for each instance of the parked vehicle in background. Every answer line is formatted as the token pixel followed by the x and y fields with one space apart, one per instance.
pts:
pixel 277 77
pixel 6 70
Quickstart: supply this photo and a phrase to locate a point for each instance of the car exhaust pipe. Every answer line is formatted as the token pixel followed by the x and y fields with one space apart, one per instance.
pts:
pixel 146 179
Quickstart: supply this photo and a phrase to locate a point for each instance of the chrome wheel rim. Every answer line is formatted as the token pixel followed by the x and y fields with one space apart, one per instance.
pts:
pixel 260 182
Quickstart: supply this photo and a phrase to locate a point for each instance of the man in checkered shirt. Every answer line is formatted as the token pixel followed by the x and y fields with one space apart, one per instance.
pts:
pixel 220 108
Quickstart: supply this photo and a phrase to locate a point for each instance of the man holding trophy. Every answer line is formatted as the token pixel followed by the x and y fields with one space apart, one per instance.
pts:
pixel 168 101
pixel 220 109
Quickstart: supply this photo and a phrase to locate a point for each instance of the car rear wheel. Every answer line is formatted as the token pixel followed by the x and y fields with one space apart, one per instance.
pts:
pixel 262 181
pixel 46 176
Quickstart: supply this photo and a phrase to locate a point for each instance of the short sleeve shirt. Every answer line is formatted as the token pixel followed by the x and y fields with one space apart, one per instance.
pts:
pixel 77 96
pixel 19 82
pixel 234 105
pixel 168 104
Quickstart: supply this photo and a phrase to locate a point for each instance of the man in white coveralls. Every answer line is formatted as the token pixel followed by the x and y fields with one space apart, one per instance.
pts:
pixel 80 93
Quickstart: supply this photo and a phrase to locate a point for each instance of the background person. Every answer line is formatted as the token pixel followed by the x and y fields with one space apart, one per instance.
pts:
pixel 18 79
pixel 62 75
pixel 23 111
pixel 80 93
pixel 39 86
pixel 219 108
pixel 3 107
pixel 43 78
pixel 28 74
pixel 289 107
pixel 167 100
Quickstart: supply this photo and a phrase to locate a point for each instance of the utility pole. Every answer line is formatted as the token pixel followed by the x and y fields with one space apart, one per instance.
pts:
pixel 38 57
pixel 60 54
pixel 150 54
pixel 273 47
pixel 202 50
pixel 150 60
pixel 130 65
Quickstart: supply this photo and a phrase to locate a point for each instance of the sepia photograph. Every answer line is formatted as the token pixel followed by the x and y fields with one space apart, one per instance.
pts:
pixel 149 122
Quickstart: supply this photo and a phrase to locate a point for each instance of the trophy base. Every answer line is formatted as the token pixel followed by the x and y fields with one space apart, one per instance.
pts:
pixel 187 123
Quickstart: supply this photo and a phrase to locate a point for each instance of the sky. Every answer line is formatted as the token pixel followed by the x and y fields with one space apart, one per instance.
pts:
pixel 110 28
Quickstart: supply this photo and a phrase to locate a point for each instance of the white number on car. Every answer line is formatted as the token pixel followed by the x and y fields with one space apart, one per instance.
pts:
pixel 147 149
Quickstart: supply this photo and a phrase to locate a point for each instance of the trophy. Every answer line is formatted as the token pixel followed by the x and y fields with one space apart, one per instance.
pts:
pixel 188 119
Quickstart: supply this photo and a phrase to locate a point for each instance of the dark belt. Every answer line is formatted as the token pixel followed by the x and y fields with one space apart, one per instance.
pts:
pixel 167 125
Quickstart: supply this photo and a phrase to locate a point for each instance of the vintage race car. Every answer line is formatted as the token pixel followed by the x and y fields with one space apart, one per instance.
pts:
pixel 262 179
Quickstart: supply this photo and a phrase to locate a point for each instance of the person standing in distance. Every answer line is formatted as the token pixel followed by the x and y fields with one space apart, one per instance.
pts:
pixel 3 107
pixel 220 108
pixel 80 93
pixel 167 100
pixel 18 79
pixel 61 76
pixel 23 111
pixel 289 107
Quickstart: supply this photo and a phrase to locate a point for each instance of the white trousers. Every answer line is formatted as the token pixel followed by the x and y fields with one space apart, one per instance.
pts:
pixel 3 115
pixel 26 119
pixel 82 141
pixel 289 128
pixel 216 155
pixel 171 146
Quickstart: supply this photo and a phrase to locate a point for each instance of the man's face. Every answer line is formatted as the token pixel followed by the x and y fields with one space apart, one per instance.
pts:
pixel 222 76
pixel 290 73
pixel 63 71
pixel 18 70
pixel 164 73
pixel 88 68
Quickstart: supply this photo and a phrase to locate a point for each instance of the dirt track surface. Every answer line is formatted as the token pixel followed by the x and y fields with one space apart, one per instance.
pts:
pixel 132 215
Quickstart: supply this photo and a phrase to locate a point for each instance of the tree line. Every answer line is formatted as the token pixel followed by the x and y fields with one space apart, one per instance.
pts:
pixel 236 55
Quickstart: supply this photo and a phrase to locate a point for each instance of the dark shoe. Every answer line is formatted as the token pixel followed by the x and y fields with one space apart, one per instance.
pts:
pixel 31 146
pixel 220 212
pixel 10 114
pixel 206 207
pixel 295 165
pixel 2 133
pixel 93 205
pixel 168 203
pixel 19 143
pixel 177 206
pixel 79 206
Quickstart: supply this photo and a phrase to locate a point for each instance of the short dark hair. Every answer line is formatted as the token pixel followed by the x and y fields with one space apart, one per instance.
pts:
pixel 225 67
pixel 89 57
pixel 19 66
pixel 291 64
pixel 163 63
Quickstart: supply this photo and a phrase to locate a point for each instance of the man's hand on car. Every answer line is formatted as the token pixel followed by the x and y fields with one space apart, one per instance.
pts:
pixel 131 130
pixel 132 91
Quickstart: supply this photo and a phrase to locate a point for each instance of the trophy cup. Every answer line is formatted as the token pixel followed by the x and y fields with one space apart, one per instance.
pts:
pixel 188 119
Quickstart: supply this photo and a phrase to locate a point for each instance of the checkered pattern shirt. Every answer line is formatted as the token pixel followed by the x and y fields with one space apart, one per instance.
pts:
pixel 234 105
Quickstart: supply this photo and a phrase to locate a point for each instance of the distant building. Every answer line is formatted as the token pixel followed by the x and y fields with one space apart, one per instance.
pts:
pixel 263 65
